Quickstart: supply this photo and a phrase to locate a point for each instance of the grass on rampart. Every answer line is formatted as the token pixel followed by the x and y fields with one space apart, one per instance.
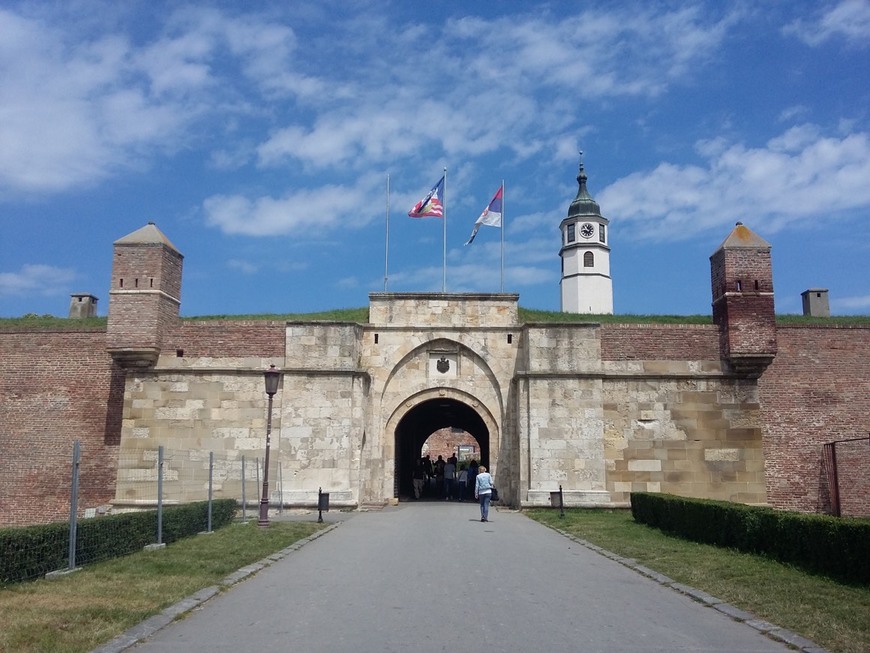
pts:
pixel 78 612
pixel 831 614
pixel 361 316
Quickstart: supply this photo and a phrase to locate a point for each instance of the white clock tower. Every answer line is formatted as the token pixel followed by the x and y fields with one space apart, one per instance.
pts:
pixel 586 283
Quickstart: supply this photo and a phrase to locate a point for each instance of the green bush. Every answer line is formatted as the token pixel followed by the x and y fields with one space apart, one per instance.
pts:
pixel 33 551
pixel 832 546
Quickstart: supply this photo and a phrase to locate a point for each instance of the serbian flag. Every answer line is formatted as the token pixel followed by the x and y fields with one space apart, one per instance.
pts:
pixel 430 205
pixel 491 215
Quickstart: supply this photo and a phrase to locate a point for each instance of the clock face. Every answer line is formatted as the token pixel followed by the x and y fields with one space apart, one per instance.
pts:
pixel 587 230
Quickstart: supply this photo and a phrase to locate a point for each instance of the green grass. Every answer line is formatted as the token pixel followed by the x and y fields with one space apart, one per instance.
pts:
pixel 80 611
pixel 832 615
pixel 534 315
pixel 361 316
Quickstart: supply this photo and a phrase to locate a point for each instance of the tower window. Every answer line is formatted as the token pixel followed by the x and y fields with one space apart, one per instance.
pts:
pixel 376 338
pixel 588 260
pixel 570 235
pixel 739 286
pixel 601 233
pixel 121 283
pixel 510 338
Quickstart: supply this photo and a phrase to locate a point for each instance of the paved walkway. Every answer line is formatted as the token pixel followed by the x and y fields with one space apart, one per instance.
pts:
pixel 432 577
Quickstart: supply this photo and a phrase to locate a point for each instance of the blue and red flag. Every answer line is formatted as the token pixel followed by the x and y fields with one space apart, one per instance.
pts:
pixel 491 215
pixel 431 205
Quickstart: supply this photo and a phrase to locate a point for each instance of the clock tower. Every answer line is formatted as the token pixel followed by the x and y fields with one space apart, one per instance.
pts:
pixel 586 283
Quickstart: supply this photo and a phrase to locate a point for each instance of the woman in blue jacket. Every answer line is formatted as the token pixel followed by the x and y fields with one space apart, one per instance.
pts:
pixel 483 491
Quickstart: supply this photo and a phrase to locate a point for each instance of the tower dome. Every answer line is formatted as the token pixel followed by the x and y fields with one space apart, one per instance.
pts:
pixel 583 204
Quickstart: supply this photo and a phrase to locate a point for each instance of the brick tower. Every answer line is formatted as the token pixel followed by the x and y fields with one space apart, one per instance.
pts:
pixel 742 280
pixel 145 296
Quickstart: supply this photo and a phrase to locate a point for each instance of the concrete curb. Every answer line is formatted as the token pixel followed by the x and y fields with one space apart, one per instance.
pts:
pixel 147 628
pixel 770 630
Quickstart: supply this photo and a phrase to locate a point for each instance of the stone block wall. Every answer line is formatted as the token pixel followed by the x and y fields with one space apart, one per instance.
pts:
pixel 563 428
pixel 321 437
pixel 457 310
pixel 562 348
pixel 193 407
pixel 693 437
pixel 322 346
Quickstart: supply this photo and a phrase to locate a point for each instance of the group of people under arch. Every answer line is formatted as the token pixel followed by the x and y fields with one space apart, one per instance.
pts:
pixel 444 480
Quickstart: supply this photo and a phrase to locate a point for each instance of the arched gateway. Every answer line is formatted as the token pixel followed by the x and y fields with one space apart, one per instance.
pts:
pixel 428 411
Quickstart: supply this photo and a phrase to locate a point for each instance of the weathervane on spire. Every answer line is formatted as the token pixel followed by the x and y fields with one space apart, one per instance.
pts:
pixel 581 160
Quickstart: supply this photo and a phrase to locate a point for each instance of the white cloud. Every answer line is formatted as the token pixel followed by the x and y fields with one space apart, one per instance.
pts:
pixel 496 96
pixel 77 108
pixel 801 173
pixel 245 267
pixel 307 211
pixel 81 101
pixel 37 279
pixel 849 19
pixel 857 303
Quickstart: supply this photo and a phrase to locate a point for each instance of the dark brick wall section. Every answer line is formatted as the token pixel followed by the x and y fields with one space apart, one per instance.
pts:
pixel 853 472
pixel 229 338
pixel 56 387
pixel 817 390
pixel 621 342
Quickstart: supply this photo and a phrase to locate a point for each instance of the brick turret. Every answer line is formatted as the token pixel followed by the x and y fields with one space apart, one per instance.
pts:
pixel 742 280
pixel 145 296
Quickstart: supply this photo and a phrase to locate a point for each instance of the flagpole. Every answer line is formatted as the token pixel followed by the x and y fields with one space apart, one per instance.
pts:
pixel 444 260
pixel 503 218
pixel 387 238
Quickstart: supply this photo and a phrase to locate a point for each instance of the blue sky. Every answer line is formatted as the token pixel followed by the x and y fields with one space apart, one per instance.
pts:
pixel 258 137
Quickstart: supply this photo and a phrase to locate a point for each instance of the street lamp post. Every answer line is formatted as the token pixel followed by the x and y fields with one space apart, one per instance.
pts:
pixel 272 376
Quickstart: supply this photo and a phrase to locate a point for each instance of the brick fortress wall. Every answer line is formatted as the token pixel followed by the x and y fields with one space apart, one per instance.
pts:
pixel 56 387
pixel 817 390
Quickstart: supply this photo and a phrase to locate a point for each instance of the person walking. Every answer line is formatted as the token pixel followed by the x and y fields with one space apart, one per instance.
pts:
pixel 449 478
pixel 483 491
pixel 419 478
pixel 462 481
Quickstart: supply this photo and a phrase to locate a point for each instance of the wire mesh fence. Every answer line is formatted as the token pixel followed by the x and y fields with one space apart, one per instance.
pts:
pixel 147 480
pixel 186 475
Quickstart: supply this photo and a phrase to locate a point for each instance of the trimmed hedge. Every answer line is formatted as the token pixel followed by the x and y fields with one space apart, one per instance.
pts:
pixel 33 551
pixel 832 546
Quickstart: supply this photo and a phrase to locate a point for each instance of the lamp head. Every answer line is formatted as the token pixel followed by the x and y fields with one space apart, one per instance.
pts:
pixel 272 377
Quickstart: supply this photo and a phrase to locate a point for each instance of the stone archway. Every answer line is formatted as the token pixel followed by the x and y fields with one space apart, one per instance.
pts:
pixel 421 415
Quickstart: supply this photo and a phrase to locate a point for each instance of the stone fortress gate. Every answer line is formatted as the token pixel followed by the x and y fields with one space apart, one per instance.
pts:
pixel 599 409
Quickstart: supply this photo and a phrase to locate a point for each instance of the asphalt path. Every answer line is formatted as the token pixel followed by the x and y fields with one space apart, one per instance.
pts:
pixel 432 577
